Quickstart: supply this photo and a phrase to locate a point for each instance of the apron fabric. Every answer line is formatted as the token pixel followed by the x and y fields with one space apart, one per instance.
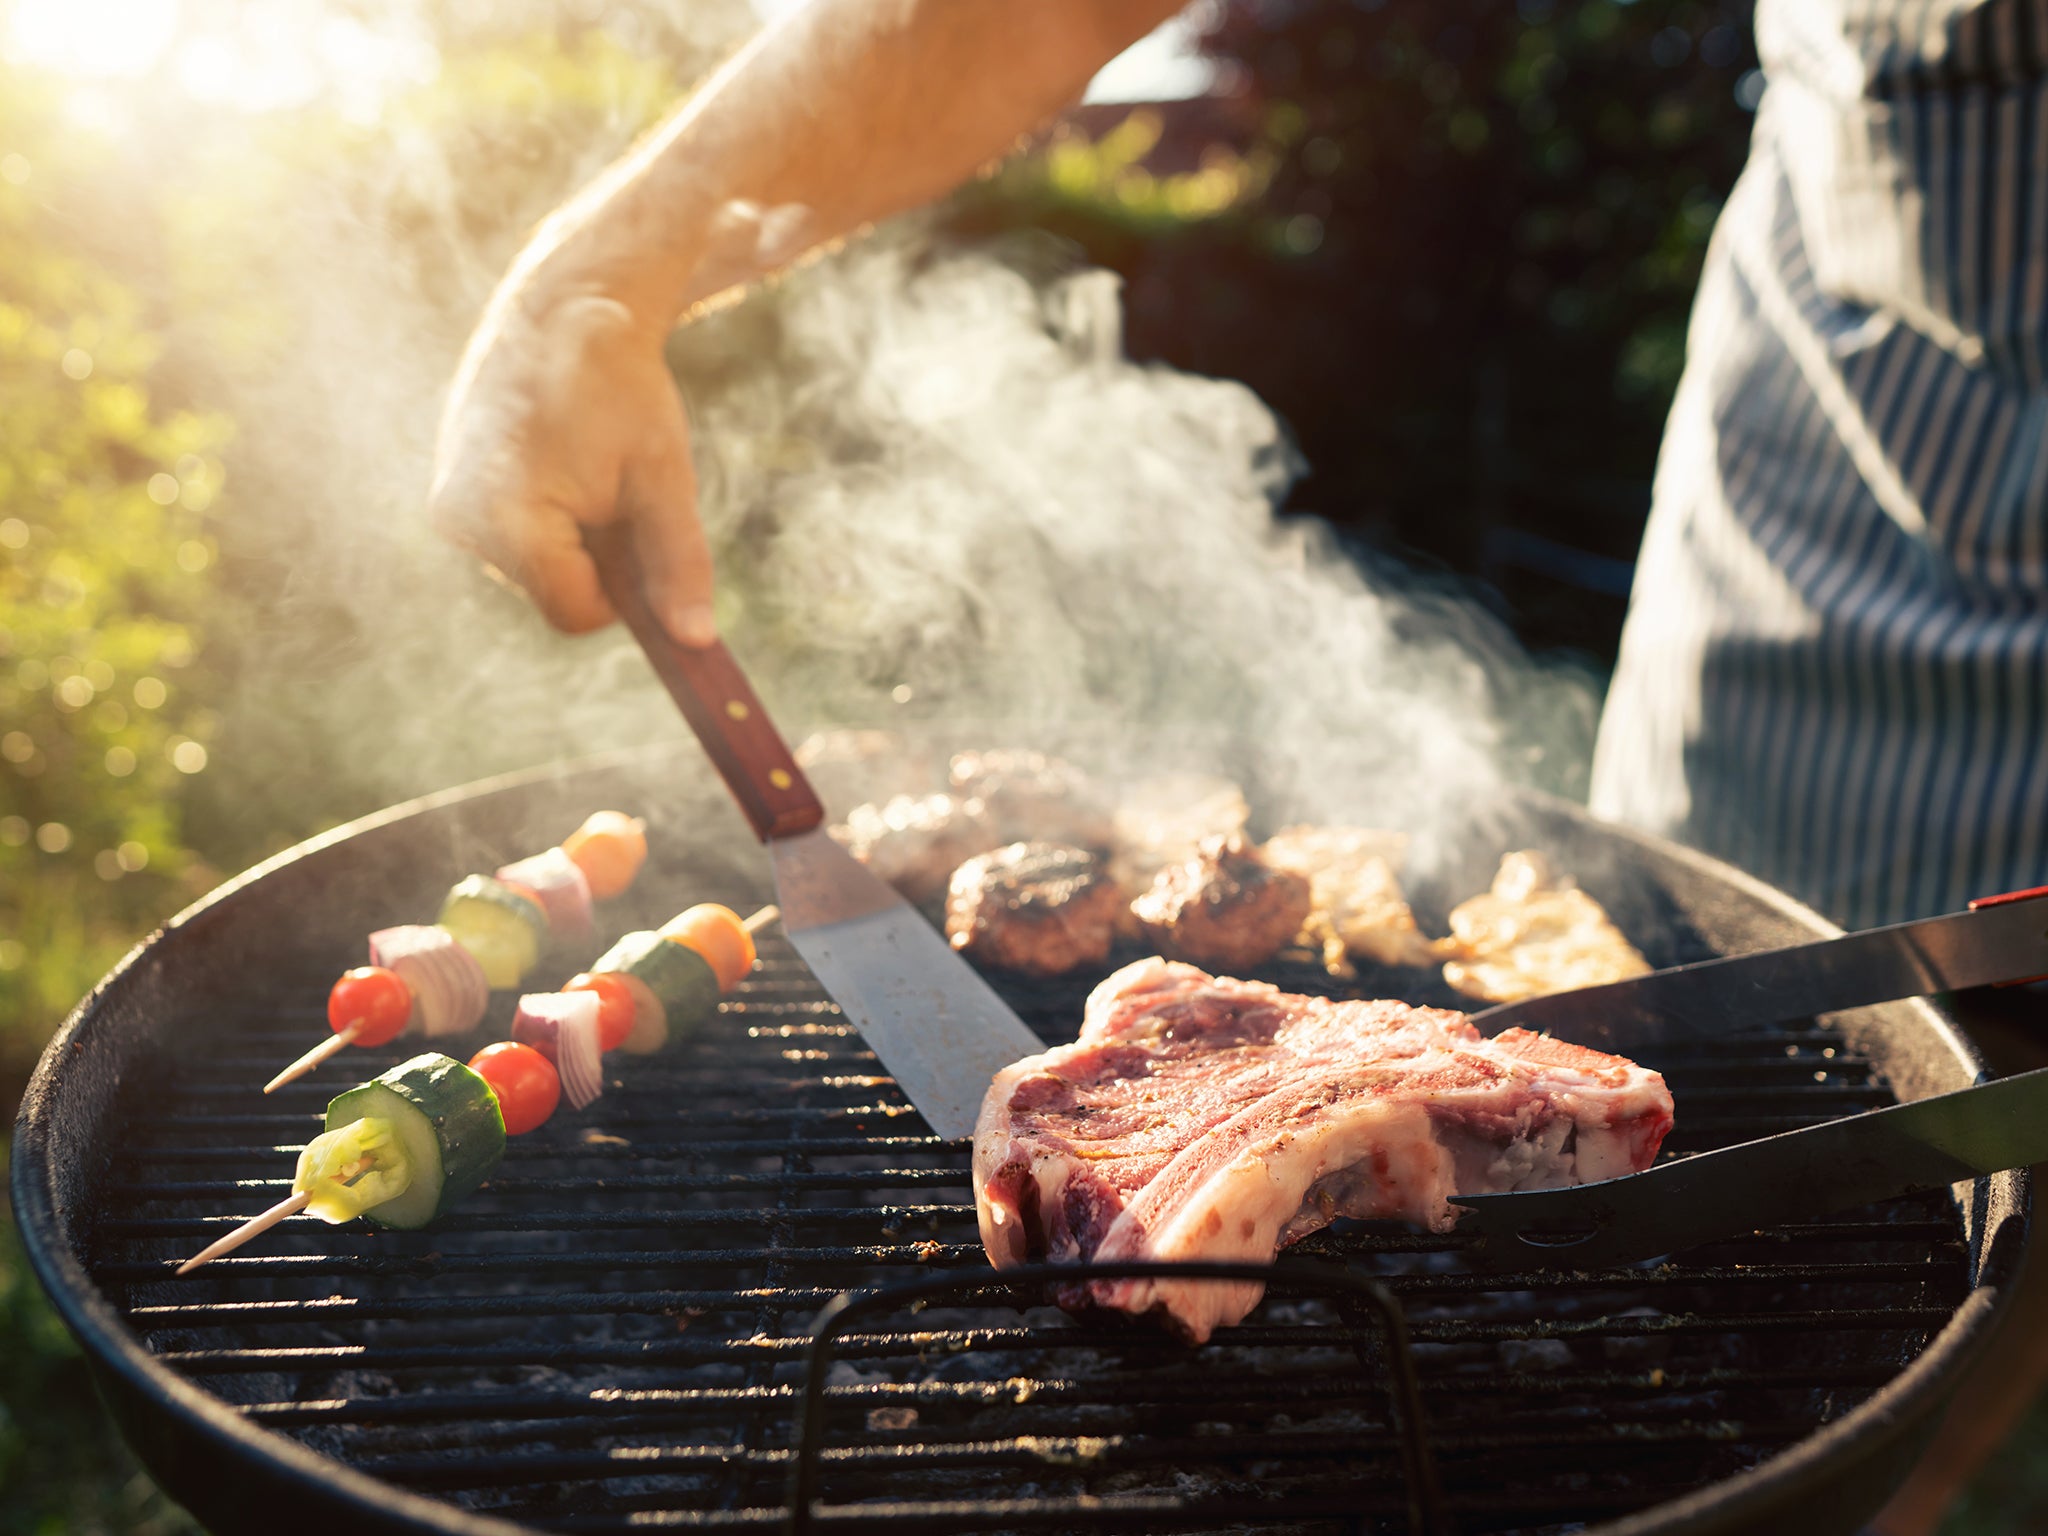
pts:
pixel 1835 667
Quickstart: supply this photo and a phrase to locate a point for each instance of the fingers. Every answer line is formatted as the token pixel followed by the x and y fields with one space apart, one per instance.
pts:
pixel 554 569
pixel 659 496
pixel 532 546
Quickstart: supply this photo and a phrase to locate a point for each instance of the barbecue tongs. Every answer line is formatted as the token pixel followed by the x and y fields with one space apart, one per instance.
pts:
pixel 1796 1175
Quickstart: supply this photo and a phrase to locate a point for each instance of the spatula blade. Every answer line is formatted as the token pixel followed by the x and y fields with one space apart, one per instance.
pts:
pixel 939 1028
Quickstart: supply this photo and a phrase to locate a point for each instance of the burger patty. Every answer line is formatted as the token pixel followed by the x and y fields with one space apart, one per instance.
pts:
pixel 1224 907
pixel 1040 908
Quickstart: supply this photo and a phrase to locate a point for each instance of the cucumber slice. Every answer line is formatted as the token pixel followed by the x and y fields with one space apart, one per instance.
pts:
pixel 680 977
pixel 448 1123
pixel 502 928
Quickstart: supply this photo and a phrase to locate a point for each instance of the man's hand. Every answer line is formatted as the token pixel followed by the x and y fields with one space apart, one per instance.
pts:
pixel 564 417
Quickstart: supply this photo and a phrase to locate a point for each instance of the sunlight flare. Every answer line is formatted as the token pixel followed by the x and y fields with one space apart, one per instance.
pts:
pixel 92 39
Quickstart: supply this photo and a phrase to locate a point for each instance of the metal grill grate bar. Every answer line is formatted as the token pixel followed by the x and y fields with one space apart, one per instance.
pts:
pixel 1411 1289
pixel 941 1341
pixel 602 1411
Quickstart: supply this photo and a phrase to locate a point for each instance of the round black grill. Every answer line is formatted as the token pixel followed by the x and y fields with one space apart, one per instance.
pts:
pixel 612 1333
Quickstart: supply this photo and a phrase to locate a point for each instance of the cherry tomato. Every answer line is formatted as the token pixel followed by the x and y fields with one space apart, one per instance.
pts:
pixel 526 1083
pixel 614 1005
pixel 718 935
pixel 376 1000
pixel 609 848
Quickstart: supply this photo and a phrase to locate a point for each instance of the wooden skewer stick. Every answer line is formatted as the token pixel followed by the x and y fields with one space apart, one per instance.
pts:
pixel 331 1046
pixel 762 918
pixel 255 1226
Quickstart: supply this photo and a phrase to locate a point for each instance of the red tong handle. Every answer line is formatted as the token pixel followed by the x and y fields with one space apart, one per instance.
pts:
pixel 2008 898
pixel 717 700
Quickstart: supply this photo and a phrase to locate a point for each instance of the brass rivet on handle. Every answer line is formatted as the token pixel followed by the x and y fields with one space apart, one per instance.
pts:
pixel 736 710
pixel 778 778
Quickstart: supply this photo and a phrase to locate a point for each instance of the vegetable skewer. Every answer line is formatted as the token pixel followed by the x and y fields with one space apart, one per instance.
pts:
pixel 404 1146
pixel 645 986
pixel 489 935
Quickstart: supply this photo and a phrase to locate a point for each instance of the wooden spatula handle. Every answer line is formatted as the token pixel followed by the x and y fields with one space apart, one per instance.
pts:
pixel 717 700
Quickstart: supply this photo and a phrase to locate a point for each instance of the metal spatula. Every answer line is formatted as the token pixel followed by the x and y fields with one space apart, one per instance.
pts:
pixel 936 1025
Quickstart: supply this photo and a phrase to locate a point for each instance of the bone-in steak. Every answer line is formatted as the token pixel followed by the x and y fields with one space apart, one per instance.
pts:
pixel 1198 1117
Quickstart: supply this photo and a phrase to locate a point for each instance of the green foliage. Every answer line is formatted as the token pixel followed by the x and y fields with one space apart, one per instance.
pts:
pixel 2011 1493
pixel 105 539
pixel 1107 176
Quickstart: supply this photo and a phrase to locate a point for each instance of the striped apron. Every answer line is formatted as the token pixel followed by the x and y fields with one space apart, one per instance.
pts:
pixel 1835 667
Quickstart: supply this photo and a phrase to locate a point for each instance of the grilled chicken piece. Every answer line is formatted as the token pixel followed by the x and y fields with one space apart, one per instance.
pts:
pixel 1225 907
pixel 1198 1117
pixel 1534 933
pixel 1354 879
pixel 915 842
pixel 1030 797
pixel 1040 908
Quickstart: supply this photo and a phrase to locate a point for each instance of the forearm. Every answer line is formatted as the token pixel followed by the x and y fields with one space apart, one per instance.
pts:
pixel 849 111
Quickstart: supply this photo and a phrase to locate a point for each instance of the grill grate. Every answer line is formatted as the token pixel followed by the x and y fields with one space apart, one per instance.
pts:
pixel 612 1332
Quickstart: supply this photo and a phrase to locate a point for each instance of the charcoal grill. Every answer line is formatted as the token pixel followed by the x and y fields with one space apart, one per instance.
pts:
pixel 613 1333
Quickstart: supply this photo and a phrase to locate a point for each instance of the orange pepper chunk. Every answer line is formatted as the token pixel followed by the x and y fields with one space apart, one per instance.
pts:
pixel 716 933
pixel 609 848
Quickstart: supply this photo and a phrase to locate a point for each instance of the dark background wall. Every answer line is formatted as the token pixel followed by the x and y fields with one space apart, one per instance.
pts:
pixel 1465 279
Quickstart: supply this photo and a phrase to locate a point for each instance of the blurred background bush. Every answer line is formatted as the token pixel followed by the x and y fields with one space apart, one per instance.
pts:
pixel 1451 242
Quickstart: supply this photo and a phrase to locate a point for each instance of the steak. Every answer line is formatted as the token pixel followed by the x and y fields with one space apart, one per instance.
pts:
pixel 1198 1117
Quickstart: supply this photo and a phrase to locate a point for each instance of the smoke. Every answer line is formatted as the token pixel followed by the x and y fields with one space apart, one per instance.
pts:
pixel 971 497
pixel 941 498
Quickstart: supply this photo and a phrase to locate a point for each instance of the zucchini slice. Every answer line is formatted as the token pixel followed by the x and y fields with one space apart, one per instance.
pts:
pixel 503 928
pixel 680 977
pixel 448 1124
